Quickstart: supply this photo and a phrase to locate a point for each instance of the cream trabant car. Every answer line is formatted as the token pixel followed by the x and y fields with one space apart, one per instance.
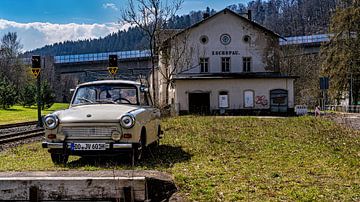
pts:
pixel 104 117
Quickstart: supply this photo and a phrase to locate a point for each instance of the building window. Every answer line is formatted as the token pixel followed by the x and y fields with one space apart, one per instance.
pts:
pixel 225 64
pixel 204 39
pixel 247 64
pixel 204 65
pixel 225 39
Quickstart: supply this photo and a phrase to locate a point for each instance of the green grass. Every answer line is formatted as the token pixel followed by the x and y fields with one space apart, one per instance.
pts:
pixel 18 113
pixel 238 158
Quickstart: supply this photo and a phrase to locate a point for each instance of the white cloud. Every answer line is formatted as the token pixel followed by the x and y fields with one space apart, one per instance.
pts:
pixel 37 34
pixel 110 5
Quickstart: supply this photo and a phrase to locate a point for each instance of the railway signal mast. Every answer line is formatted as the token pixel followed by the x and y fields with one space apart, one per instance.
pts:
pixel 113 65
pixel 36 69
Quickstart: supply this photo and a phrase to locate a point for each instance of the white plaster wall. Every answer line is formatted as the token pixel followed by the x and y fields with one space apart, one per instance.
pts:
pixel 235 88
pixel 213 28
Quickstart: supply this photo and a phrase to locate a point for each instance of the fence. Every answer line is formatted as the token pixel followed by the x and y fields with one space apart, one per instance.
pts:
pixel 344 108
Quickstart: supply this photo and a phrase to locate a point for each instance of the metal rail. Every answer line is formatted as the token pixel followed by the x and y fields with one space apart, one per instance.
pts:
pixel 21 135
pixel 13 125
pixel 13 137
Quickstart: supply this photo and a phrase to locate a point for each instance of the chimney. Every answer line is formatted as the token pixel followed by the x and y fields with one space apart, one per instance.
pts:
pixel 206 15
pixel 249 15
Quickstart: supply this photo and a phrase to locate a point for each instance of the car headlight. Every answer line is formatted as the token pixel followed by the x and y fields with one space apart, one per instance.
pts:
pixel 51 121
pixel 127 121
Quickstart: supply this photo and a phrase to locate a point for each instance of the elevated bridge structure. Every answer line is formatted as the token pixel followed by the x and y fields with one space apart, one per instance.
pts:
pixel 308 44
pixel 69 70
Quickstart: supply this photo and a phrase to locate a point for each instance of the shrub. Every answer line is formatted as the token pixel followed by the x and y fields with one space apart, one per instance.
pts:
pixel 8 94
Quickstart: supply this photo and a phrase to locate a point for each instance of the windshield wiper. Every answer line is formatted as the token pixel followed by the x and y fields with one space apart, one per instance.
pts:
pixel 106 101
pixel 84 99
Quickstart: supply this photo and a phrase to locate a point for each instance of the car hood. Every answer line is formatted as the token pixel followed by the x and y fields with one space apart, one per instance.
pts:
pixel 94 113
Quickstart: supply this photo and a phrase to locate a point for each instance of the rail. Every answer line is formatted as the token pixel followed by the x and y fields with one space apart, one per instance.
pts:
pixel 344 108
pixel 13 125
pixel 14 136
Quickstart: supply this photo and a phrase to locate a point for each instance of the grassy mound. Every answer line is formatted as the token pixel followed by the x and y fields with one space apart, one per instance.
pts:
pixel 238 158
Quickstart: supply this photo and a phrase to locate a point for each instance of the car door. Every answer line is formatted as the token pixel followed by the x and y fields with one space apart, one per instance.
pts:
pixel 153 114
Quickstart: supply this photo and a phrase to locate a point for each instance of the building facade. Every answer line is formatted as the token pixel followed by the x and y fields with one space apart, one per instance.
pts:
pixel 225 63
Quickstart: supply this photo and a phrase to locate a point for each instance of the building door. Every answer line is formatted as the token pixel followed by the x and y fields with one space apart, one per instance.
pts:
pixel 279 101
pixel 199 103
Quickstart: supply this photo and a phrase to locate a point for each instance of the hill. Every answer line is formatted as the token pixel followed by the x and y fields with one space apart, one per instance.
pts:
pixel 286 17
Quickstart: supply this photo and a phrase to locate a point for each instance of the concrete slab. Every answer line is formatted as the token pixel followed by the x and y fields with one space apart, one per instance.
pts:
pixel 86 185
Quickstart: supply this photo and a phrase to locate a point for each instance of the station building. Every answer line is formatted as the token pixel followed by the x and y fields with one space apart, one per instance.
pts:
pixel 225 63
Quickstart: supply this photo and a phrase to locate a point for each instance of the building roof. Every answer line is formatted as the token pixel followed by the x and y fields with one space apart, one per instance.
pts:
pixel 226 10
pixel 251 75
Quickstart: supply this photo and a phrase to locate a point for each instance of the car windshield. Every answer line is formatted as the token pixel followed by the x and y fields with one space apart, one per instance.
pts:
pixel 106 94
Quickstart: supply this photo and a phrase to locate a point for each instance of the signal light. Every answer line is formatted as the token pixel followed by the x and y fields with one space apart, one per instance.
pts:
pixel 36 61
pixel 113 61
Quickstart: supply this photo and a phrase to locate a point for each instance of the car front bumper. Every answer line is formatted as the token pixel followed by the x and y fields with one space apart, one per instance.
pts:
pixel 108 146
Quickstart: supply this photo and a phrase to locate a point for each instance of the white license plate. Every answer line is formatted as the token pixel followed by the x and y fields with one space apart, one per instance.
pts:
pixel 87 146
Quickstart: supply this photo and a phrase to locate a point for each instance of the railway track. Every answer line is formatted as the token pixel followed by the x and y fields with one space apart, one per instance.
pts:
pixel 13 135
pixel 13 125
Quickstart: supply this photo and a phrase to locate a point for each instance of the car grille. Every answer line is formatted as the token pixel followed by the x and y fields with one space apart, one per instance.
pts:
pixel 80 132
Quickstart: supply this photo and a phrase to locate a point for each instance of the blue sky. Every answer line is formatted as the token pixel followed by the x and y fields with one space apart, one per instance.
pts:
pixel 40 22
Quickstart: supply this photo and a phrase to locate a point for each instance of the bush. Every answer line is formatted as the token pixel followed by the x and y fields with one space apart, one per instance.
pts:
pixel 8 94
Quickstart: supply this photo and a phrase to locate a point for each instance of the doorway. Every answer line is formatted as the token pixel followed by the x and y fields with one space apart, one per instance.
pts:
pixel 279 101
pixel 199 103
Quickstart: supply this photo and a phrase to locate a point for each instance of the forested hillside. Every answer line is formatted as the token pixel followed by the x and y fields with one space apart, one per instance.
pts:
pixel 286 17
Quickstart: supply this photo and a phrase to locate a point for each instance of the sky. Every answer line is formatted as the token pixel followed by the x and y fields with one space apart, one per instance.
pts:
pixel 41 22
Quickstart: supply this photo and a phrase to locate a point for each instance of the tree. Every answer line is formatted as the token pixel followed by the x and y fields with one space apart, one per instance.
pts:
pixel 151 16
pixel 340 57
pixel 11 66
pixel 7 93
pixel 48 95
pixel 28 93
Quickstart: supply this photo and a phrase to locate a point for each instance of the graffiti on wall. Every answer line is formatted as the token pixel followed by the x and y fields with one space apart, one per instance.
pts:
pixel 261 100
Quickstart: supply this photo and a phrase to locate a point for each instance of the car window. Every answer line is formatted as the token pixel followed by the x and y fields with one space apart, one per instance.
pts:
pixel 85 95
pixel 112 94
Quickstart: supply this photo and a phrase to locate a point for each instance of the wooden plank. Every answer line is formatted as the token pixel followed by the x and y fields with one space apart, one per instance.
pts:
pixel 72 188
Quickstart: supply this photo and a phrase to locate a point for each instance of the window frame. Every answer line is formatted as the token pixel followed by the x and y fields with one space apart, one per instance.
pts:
pixel 225 64
pixel 247 64
pixel 204 64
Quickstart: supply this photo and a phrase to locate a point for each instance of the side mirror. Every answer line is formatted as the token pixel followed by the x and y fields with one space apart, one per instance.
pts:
pixel 72 90
pixel 144 89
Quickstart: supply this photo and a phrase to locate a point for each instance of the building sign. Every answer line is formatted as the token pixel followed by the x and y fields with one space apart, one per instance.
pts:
pixel 223 101
pixel 226 52
pixel 249 99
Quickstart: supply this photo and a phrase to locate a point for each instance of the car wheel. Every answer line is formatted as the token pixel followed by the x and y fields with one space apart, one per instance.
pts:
pixel 58 159
pixel 137 152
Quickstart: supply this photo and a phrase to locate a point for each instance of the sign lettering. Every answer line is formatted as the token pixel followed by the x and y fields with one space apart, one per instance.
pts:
pixel 225 53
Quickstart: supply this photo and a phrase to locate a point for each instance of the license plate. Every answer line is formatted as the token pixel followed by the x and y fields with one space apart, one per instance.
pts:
pixel 87 146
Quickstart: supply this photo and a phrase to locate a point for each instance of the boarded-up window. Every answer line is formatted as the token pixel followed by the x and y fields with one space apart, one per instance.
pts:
pixel 223 99
pixel 249 99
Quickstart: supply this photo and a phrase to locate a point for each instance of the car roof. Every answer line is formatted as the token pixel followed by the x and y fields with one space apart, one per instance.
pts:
pixel 110 82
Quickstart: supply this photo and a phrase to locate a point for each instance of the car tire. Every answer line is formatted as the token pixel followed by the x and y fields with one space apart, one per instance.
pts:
pixel 59 159
pixel 137 151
